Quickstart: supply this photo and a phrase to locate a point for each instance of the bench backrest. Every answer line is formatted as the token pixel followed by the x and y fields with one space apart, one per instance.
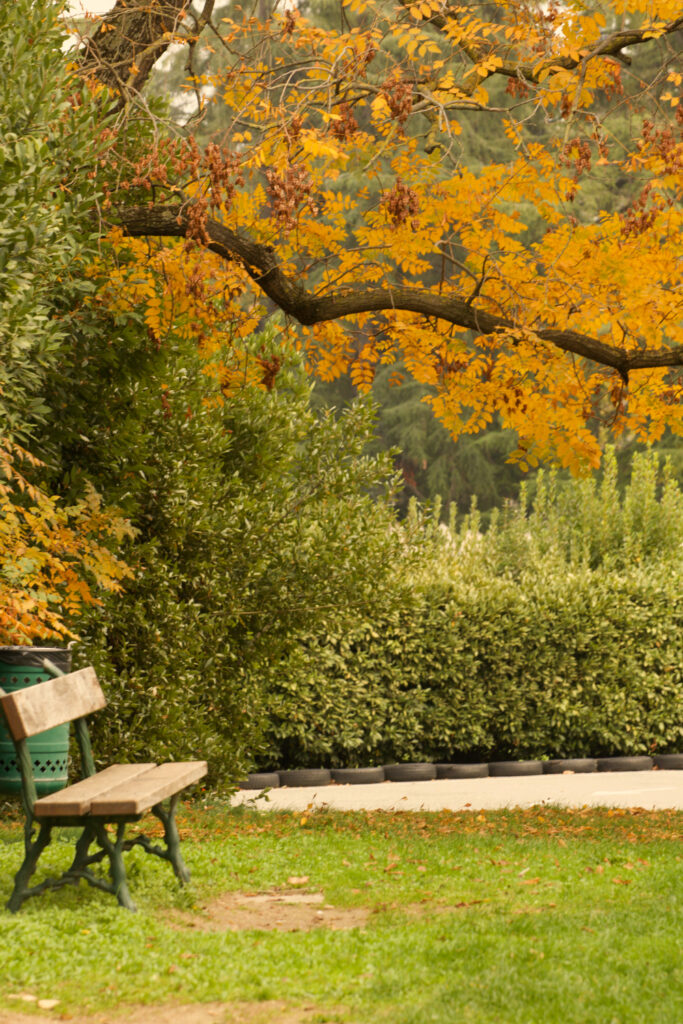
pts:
pixel 54 702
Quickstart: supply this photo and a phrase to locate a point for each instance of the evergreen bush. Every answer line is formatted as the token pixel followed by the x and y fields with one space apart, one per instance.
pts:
pixel 254 522
pixel 558 633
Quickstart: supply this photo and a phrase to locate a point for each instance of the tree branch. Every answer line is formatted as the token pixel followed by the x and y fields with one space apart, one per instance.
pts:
pixel 261 263
pixel 611 45
pixel 129 41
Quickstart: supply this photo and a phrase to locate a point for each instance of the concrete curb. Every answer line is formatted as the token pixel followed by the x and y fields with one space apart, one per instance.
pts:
pixel 653 790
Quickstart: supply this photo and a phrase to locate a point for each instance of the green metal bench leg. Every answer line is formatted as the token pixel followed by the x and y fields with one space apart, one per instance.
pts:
pixel 81 858
pixel 117 868
pixel 33 848
pixel 167 819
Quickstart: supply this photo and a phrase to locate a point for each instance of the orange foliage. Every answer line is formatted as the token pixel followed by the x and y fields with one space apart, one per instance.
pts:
pixel 342 191
pixel 52 558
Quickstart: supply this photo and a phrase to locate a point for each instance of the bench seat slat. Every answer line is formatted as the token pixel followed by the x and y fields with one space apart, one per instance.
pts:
pixel 53 702
pixel 76 799
pixel 141 793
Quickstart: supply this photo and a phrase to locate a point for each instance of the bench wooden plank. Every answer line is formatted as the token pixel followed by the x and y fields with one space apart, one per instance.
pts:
pixel 76 800
pixel 140 794
pixel 54 702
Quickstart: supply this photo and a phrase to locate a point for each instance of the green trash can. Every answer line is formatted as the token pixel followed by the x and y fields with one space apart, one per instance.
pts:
pixel 21 667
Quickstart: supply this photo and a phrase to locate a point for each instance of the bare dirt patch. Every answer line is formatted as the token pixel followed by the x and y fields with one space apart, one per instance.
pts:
pixel 276 910
pixel 197 1013
pixel 286 911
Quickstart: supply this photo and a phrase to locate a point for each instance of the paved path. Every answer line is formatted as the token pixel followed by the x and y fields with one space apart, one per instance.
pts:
pixel 653 790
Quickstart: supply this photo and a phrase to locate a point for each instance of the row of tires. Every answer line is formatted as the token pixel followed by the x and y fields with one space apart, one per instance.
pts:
pixel 423 772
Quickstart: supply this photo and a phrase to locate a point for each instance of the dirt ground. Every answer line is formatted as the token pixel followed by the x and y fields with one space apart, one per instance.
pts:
pixel 276 910
pixel 270 1012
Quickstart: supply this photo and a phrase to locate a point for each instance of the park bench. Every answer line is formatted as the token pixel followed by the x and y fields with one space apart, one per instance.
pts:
pixel 116 796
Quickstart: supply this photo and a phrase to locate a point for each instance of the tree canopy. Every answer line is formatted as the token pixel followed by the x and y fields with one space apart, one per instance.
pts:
pixel 540 286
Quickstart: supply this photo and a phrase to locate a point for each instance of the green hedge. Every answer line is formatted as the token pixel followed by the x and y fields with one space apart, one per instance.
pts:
pixel 563 664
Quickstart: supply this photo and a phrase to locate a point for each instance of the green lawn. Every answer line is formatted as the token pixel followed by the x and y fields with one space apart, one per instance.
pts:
pixel 544 916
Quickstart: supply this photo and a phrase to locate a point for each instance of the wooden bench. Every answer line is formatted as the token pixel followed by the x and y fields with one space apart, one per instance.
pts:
pixel 116 796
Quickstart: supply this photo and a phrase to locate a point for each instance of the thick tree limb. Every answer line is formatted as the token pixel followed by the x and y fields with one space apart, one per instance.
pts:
pixel 129 41
pixel 261 263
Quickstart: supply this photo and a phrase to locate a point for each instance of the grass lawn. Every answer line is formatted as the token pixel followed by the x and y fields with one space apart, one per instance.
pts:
pixel 510 917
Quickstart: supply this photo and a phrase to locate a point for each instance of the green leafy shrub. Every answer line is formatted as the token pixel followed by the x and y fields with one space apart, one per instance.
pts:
pixel 254 521
pixel 556 634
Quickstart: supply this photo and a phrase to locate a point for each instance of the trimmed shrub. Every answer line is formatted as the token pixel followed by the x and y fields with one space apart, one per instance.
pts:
pixel 538 639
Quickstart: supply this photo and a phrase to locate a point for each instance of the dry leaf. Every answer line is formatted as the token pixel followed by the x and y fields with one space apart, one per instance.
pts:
pixel 297 879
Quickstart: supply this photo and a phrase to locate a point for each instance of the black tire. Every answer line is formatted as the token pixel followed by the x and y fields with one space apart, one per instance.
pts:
pixel 462 771
pixel 357 776
pixel 624 764
pixel 261 780
pixel 305 777
pixel 570 764
pixel 669 761
pixel 515 768
pixel 419 772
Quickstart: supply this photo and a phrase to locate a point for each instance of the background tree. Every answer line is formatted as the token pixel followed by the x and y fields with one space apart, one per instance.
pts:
pixel 432 464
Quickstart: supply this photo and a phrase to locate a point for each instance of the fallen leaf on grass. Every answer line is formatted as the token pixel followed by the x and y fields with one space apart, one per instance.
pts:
pixel 297 879
pixel 48 1004
pixel 622 881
